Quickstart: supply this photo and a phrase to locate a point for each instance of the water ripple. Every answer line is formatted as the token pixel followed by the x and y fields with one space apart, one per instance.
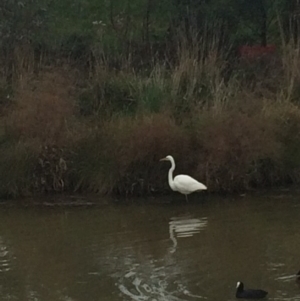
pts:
pixel 5 264
pixel 152 282
pixel 134 285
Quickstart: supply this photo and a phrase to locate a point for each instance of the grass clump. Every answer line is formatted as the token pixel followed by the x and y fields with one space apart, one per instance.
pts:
pixel 121 152
pixel 16 168
pixel 233 145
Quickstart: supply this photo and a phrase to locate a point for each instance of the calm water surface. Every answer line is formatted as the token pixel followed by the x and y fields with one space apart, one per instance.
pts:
pixel 179 251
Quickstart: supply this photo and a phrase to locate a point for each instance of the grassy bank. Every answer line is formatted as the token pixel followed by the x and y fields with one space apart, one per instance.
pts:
pixel 66 130
pixel 92 106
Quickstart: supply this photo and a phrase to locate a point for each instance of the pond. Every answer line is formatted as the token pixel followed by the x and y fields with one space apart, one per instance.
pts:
pixel 152 251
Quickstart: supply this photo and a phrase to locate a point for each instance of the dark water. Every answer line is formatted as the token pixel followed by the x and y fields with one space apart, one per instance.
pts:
pixel 180 251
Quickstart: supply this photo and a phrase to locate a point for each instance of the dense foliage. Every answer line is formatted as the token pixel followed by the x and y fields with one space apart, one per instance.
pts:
pixel 93 93
pixel 77 28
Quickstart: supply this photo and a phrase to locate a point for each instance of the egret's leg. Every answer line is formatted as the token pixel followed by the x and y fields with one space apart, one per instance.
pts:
pixel 186 197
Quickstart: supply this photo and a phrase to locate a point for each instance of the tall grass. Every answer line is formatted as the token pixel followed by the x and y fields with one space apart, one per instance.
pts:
pixel 103 128
pixel 198 72
pixel 16 166
pixel 290 61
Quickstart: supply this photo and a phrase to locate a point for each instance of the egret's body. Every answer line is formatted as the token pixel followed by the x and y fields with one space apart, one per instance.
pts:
pixel 182 183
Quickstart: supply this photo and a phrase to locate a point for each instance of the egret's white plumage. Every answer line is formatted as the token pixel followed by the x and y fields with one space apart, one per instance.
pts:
pixel 182 183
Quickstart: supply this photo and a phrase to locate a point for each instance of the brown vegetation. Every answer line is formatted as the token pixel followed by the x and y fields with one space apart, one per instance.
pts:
pixel 105 133
pixel 43 108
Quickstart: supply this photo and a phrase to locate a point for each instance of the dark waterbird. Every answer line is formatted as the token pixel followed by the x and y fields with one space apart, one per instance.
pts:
pixel 249 293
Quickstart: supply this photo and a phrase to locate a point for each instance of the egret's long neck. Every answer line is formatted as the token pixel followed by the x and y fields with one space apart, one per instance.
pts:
pixel 170 176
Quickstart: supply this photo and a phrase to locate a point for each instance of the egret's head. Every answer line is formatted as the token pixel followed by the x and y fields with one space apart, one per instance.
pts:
pixel 168 158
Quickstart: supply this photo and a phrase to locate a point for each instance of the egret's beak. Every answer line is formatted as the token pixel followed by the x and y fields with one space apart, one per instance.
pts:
pixel 163 159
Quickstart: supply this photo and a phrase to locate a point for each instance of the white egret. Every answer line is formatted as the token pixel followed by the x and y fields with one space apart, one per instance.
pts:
pixel 182 183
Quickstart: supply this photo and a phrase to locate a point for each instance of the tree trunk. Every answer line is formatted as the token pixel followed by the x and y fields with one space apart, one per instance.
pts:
pixel 263 29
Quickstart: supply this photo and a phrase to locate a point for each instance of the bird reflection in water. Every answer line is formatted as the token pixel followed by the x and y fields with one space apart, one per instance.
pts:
pixel 153 279
pixel 180 227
